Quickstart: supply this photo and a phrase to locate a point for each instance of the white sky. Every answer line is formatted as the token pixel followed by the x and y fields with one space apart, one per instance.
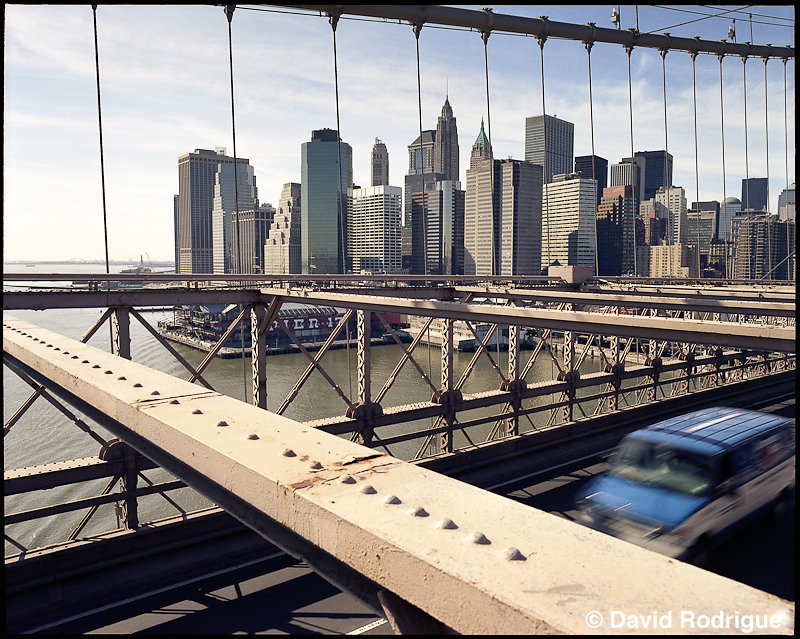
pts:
pixel 166 91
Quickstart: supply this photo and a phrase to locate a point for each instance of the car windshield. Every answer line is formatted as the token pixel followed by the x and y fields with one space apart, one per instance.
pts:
pixel 661 465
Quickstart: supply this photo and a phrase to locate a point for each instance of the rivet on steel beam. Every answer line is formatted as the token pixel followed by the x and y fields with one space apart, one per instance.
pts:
pixel 96 366
pixel 57 348
pixel 252 436
pixel 155 393
pixel 222 423
pixel 315 465
pixel 74 357
pixel 197 411
pixel 418 511
pixel 391 499
pixel 446 524
pixel 512 554
pixel 288 452
pixel 347 479
pixel 109 372
pixel 49 346
pixel 66 352
pixel 122 377
pixel 368 490
pixel 137 385
pixel 174 401
pixel 478 538
pixel 86 361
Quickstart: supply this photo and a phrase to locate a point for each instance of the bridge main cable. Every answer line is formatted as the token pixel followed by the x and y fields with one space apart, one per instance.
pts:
pixel 539 27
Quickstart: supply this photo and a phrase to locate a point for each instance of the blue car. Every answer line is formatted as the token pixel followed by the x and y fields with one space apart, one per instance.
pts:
pixel 685 484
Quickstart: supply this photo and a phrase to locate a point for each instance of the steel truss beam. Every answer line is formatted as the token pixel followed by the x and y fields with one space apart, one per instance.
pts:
pixel 727 334
pixel 475 561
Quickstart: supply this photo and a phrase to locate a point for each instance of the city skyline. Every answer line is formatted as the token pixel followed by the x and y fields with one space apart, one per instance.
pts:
pixel 164 95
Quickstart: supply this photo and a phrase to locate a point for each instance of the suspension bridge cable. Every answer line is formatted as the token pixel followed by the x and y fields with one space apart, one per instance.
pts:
pixel 102 162
pixel 495 267
pixel 670 214
pixel 588 46
pixel 545 177
pixel 229 9
pixel 786 166
pixel 681 24
pixel 696 164
pixel 728 223
pixel 417 27
pixel 766 141
pixel 746 159
pixel 333 18
pixel 629 49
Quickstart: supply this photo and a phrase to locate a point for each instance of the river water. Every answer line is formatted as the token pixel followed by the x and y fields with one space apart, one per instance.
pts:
pixel 44 435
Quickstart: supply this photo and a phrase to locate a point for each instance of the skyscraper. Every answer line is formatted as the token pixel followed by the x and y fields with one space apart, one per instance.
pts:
pixel 674 199
pixel 420 167
pixel 226 235
pixel 763 248
pixel 282 247
pixel 629 172
pixel 754 194
pixel 786 205
pixel 196 179
pixel 656 171
pixel 502 217
pixel 730 208
pixel 593 167
pixel 373 226
pixel 253 229
pixel 444 240
pixel 614 242
pixel 480 235
pixel 380 164
pixel 445 145
pixel 323 192
pixel 549 143
pixel 568 222
pixel 701 228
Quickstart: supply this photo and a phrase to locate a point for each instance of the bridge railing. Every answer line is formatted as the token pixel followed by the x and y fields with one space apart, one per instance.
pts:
pixel 563 355
pixel 336 503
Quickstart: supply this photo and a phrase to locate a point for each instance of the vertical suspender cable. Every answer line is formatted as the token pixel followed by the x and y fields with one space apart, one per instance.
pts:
pixel 417 29
pixel 229 9
pixel 670 214
pixel 728 223
pixel 102 163
pixel 594 177
pixel 495 265
pixel 786 165
pixel 629 49
pixel 746 160
pixel 545 195
pixel 766 141
pixel 696 164
pixel 333 18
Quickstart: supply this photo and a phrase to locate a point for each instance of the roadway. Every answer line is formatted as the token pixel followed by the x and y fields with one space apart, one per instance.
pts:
pixel 278 595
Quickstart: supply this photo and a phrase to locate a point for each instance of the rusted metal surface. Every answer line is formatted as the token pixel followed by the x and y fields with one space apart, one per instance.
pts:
pixel 475 561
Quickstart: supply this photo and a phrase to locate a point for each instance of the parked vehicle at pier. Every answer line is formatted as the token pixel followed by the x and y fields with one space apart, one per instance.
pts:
pixel 685 484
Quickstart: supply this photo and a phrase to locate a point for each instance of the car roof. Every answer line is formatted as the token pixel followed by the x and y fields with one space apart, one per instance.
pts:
pixel 713 429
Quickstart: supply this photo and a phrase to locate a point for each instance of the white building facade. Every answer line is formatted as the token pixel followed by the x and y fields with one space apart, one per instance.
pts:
pixel 568 222
pixel 373 229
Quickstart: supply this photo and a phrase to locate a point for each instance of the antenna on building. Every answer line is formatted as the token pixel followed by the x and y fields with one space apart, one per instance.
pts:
pixel 732 31
pixel 615 17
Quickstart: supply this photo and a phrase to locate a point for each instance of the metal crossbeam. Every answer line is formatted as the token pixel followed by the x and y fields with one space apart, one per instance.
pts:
pixel 728 334
pixel 487 21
